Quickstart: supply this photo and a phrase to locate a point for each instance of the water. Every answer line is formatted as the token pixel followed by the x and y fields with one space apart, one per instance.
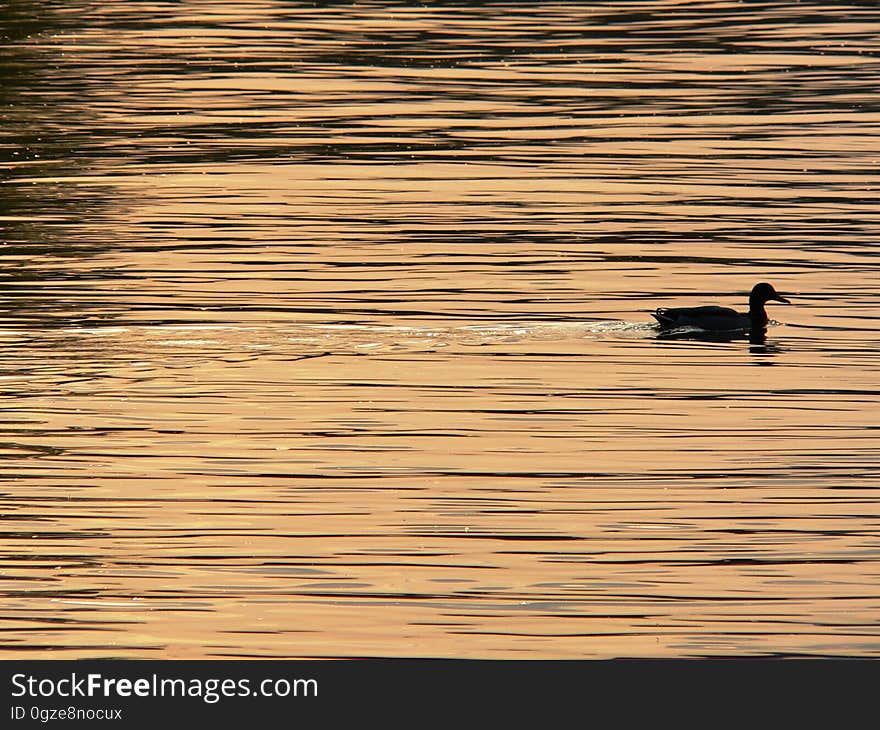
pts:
pixel 326 333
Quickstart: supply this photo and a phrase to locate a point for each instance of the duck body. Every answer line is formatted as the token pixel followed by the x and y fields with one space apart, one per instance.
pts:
pixel 722 319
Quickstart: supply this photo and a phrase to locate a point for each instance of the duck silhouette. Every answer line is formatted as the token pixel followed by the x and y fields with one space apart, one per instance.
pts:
pixel 722 319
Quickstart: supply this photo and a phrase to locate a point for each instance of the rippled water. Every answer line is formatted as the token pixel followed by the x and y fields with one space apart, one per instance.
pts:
pixel 325 332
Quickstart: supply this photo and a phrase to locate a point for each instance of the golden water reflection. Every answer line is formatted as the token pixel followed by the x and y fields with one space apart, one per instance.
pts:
pixel 326 332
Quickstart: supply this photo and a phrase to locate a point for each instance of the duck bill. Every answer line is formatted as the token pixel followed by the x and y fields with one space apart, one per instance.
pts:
pixel 780 298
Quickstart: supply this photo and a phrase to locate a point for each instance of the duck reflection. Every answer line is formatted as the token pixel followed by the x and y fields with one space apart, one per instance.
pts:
pixel 756 337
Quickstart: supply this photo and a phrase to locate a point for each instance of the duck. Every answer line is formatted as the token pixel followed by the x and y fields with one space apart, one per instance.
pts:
pixel 722 319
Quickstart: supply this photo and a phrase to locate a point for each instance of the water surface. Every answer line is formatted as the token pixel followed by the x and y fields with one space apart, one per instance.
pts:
pixel 325 332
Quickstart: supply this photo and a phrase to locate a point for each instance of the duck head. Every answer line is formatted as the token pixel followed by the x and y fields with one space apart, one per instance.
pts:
pixel 764 292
